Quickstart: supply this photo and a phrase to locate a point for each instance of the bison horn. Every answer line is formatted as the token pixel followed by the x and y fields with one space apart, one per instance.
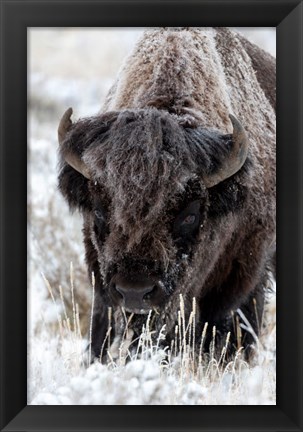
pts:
pixel 64 125
pixel 236 157
pixel 73 160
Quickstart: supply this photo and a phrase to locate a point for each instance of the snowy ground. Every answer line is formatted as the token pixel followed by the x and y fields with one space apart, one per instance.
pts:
pixel 70 67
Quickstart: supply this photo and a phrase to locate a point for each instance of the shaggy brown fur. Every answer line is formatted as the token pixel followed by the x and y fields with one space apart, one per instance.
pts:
pixel 265 66
pixel 163 129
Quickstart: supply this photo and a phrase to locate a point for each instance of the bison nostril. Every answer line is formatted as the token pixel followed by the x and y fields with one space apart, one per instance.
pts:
pixel 116 290
pixel 149 294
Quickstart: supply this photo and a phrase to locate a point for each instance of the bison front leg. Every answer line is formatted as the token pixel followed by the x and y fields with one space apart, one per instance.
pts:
pixel 246 322
pixel 101 333
pixel 242 317
pixel 110 336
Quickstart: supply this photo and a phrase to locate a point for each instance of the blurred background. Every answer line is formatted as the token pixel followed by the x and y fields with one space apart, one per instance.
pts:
pixel 69 67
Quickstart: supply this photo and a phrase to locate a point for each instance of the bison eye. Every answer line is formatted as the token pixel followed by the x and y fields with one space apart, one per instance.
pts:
pixel 100 224
pixel 99 215
pixel 189 220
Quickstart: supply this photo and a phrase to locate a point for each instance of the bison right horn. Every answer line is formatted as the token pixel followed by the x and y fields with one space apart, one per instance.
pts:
pixel 236 157
pixel 72 159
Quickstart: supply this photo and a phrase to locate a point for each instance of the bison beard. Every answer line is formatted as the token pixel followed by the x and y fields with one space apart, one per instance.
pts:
pixel 172 204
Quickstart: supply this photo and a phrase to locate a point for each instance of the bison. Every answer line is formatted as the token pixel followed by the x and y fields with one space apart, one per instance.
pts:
pixel 175 179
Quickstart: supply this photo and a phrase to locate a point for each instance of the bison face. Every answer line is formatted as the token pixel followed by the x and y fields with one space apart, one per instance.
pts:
pixel 142 260
pixel 142 182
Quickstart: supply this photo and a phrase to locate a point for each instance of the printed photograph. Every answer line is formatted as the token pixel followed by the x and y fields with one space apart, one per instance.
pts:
pixel 152 216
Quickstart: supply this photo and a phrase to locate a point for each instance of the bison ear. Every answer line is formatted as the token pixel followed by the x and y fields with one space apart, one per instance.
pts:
pixel 68 154
pixel 235 158
pixel 74 188
pixel 72 179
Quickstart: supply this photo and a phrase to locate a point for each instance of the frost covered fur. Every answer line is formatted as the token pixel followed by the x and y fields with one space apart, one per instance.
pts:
pixel 164 128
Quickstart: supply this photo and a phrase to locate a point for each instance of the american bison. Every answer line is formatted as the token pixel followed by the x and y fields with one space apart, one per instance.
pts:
pixel 175 179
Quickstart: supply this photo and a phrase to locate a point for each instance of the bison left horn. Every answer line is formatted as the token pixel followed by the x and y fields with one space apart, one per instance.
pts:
pixel 236 157
pixel 73 160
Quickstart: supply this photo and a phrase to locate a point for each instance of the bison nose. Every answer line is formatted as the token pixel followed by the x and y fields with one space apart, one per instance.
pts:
pixel 137 297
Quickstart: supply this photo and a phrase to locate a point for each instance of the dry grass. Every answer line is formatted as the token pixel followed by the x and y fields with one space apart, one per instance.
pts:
pixel 205 379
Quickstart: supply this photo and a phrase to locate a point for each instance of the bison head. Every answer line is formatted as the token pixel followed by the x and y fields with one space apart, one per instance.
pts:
pixel 143 182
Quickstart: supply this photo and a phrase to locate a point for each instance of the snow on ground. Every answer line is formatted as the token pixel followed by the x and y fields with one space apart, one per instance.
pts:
pixel 58 375
pixel 72 67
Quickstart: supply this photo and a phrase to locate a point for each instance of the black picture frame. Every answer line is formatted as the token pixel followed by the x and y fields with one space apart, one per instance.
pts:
pixel 16 17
